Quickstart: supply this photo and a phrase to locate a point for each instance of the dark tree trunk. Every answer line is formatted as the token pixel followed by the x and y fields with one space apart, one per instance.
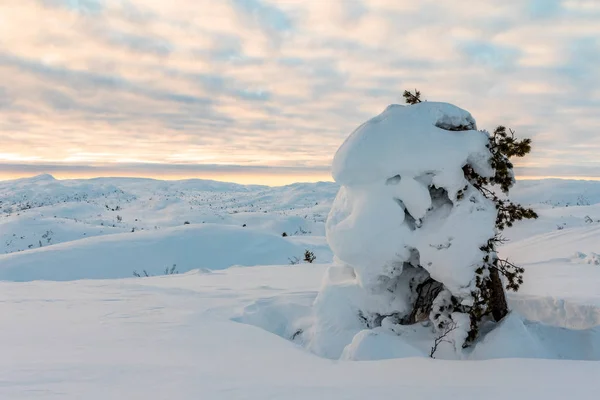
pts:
pixel 497 303
pixel 428 291
pixel 426 294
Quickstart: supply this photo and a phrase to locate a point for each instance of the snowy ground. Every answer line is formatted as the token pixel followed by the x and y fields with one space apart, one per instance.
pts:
pixel 77 324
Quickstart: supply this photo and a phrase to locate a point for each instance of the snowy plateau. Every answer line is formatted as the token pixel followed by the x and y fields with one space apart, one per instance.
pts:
pixel 125 288
pixel 77 324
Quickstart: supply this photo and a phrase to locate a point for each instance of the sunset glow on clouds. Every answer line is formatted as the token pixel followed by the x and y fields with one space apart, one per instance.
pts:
pixel 181 88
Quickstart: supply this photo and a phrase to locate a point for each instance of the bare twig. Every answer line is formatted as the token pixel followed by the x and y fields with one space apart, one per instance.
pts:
pixel 442 338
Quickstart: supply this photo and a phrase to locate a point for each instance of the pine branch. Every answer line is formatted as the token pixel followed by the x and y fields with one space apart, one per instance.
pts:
pixel 512 273
pixel 412 98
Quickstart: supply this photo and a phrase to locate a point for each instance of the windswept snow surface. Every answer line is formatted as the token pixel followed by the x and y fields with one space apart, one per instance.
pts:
pixel 172 338
pixel 205 246
pixel 236 332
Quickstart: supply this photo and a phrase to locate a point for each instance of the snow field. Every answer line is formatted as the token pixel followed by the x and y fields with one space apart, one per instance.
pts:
pixel 240 332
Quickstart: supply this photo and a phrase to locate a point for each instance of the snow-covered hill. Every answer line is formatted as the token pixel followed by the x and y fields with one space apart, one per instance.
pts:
pixel 204 246
pixel 238 303
pixel 42 211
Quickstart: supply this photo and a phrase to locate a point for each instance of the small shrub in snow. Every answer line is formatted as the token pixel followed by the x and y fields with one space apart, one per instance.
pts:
pixel 47 236
pixel 309 256
pixel 582 201
pixel 172 270
pixel 302 231
pixel 296 334
pixel 442 337
pixel 168 271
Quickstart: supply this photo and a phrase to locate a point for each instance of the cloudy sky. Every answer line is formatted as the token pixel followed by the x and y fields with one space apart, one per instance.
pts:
pixel 265 91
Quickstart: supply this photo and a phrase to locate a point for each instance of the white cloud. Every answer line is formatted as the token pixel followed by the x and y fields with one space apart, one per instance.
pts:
pixel 282 82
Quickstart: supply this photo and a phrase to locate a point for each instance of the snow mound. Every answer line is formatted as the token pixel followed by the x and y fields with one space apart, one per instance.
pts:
pixel 118 255
pixel 511 339
pixel 405 214
pixel 401 175
pixel 336 313
pixel 410 140
pixel 516 337
pixel 285 316
pixel 379 345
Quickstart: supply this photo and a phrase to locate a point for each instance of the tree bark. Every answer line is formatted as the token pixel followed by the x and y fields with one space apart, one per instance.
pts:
pixel 428 291
pixel 498 304
pixel 426 294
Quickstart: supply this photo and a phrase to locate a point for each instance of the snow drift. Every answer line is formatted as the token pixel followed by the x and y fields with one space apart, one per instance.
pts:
pixel 207 246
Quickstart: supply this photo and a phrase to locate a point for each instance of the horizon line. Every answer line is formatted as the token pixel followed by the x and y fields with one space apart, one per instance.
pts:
pixel 242 179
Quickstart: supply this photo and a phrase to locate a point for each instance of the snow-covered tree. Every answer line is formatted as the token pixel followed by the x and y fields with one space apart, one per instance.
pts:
pixel 415 225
